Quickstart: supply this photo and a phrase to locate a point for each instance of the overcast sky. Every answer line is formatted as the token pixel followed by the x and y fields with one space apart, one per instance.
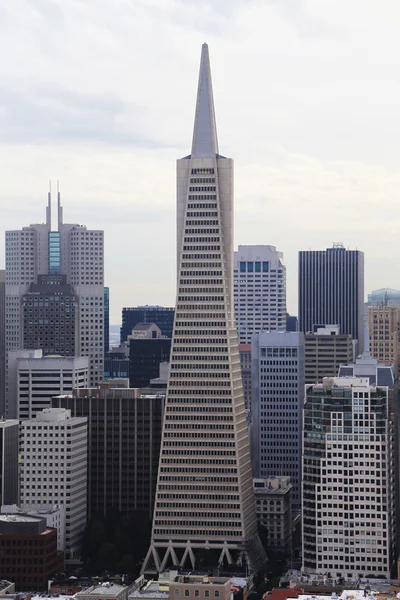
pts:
pixel 100 94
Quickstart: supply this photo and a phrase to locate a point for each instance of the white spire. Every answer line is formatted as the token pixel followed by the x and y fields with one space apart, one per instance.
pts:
pixel 205 142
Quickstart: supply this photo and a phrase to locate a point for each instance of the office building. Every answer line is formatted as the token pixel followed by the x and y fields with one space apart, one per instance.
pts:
pixel 124 433
pixel 54 515
pixel 63 270
pixel 384 296
pixel 383 326
pixel 366 366
pixel 204 491
pixel 277 404
pixel 28 552
pixel 331 290
pixel 259 291
pixel 245 368
pixel 2 343
pixel 42 377
pixel 106 320
pixel 161 316
pixel 54 469
pixel 274 511
pixel 325 351
pixel 348 515
pixel 115 366
pixel 292 323
pixel 147 349
pixel 9 449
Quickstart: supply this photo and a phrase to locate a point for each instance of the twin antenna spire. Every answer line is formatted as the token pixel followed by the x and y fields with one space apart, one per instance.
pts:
pixel 59 207
pixel 205 141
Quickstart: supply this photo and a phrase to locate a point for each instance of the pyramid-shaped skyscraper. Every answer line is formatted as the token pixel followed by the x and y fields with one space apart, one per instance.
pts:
pixel 204 497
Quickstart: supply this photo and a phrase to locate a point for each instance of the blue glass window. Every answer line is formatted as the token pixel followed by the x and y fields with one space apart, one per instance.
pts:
pixel 54 252
pixel 250 266
pixel 243 267
pixel 265 266
pixel 258 266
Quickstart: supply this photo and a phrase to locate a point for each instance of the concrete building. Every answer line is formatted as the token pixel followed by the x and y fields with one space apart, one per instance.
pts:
pixel 54 469
pixel 200 587
pixel 9 450
pixel 325 351
pixel 163 317
pixel 277 404
pixel 54 515
pixel 204 491
pixel 259 291
pixel 245 367
pixel 274 511
pixel 105 591
pixel 348 515
pixel 367 366
pixel 42 377
pixel 383 326
pixel 124 434
pixel 36 255
pixel 2 343
pixel 331 290
pixel 28 552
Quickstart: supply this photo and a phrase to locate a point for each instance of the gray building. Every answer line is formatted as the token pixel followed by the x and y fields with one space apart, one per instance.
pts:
pixel 9 453
pixel 277 404
pixel 331 290
pixel 325 351
pixel 2 343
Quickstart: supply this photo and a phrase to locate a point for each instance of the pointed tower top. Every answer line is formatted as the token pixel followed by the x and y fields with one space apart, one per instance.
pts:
pixel 205 142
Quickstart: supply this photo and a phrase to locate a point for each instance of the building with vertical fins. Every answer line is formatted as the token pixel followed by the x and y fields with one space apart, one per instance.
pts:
pixel 54 292
pixel 204 496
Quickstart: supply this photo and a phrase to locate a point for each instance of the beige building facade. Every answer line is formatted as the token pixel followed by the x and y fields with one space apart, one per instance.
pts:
pixel 325 351
pixel 383 324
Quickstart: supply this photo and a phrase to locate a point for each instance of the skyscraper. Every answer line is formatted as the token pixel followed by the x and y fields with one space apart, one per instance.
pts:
pixel 276 408
pixel 65 268
pixel 348 479
pixel 204 495
pixel 9 448
pixel 259 291
pixel 383 325
pixel 161 316
pixel 325 351
pixel 331 290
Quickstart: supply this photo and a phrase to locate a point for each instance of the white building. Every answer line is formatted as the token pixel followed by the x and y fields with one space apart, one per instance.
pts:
pixel 54 469
pixel 277 404
pixel 73 251
pixel 54 515
pixel 42 377
pixel 348 492
pixel 259 291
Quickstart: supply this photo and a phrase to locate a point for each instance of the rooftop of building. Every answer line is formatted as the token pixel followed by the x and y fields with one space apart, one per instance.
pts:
pixel 102 589
pixel 201 580
pixel 19 518
pixel 143 326
pixel 272 485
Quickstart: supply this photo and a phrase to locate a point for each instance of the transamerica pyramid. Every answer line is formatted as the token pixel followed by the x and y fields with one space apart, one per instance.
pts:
pixel 204 497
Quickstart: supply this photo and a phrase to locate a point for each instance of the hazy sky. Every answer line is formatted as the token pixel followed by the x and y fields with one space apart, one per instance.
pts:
pixel 100 94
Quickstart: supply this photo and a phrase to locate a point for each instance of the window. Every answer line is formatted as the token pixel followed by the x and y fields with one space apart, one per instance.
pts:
pixel 265 266
pixel 196 593
pixel 186 593
pixel 176 592
pixel 243 267
pixel 216 594
pixel 207 593
pixel 258 266
pixel 250 267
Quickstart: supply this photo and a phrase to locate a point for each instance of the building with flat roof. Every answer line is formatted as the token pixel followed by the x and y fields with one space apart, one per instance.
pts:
pixel 54 515
pixel 105 591
pixel 274 511
pixel 383 326
pixel 326 349
pixel 202 587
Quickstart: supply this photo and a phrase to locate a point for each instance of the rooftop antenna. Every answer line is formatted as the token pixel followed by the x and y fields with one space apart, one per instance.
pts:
pixel 48 208
pixel 59 207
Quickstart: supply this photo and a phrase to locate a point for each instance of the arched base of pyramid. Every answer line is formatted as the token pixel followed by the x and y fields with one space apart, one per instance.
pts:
pixel 161 556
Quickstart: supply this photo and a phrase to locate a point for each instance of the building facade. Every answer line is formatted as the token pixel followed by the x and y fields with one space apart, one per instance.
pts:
pixel 9 453
pixel 39 379
pixel 259 291
pixel 274 511
pixel 160 315
pixel 277 404
pixel 383 326
pixel 348 514
pixel 36 260
pixel 124 433
pixel 2 343
pixel 245 367
pixel 384 296
pixel 331 290
pixel 325 351
pixel 145 357
pixel 204 491
pixel 54 515
pixel 54 469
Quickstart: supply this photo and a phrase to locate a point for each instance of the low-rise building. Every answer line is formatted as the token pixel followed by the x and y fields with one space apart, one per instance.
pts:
pixel 6 587
pixel 53 513
pixel 105 591
pixel 200 587
pixel 274 510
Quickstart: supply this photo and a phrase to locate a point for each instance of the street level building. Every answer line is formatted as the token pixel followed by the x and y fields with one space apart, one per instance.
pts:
pixel 348 514
pixel 259 291
pixel 204 493
pixel 325 351
pixel 54 469
pixel 277 405
pixel 331 290
pixel 274 511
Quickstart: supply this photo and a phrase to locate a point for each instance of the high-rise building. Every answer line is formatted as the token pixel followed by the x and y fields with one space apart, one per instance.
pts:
pixel 147 350
pixel 54 469
pixel 348 490
pixel 2 343
pixel 245 367
pixel 37 258
pixel 366 366
pixel 325 351
pixel 124 430
pixel 277 404
pixel 205 495
pixel 385 296
pixel 39 378
pixel 383 326
pixel 161 316
pixel 9 453
pixel 106 319
pixel 331 290
pixel 259 291
pixel 292 323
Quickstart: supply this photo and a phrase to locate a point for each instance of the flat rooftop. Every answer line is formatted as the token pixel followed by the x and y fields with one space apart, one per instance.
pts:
pixel 112 589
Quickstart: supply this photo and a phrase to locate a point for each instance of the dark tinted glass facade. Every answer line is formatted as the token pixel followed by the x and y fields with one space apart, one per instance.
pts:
pixel 162 317
pixel 9 448
pixel 106 319
pixel 331 291
pixel 145 356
